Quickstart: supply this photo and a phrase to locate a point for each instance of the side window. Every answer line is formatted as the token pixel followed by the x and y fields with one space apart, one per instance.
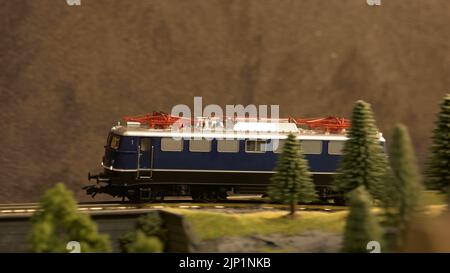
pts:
pixel 169 144
pixel 278 145
pixel 335 147
pixel 115 141
pixel 145 144
pixel 228 146
pixel 312 147
pixel 255 146
pixel 202 146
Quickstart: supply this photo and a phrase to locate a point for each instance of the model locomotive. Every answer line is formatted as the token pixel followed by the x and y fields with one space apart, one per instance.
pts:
pixel 146 158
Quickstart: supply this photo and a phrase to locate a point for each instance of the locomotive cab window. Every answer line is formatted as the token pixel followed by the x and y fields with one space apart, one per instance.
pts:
pixel 311 147
pixel 169 144
pixel 255 146
pixel 115 141
pixel 202 146
pixel 227 146
pixel 108 141
pixel 335 147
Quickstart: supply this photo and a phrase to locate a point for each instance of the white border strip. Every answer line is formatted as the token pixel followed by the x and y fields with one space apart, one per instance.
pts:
pixel 204 171
pixel 125 131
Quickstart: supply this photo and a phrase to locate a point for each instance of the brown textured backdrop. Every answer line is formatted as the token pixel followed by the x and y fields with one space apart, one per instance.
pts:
pixel 68 73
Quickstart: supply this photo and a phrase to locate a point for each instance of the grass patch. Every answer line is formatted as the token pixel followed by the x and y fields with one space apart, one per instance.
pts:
pixel 212 225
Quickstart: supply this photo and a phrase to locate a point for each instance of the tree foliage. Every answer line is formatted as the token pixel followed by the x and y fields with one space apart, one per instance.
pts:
pixel 362 226
pixel 145 244
pixel 439 166
pixel 403 187
pixel 364 160
pixel 57 222
pixel 292 182
pixel 149 226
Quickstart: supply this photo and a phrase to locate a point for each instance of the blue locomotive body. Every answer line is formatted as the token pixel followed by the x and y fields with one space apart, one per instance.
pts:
pixel 125 158
pixel 148 164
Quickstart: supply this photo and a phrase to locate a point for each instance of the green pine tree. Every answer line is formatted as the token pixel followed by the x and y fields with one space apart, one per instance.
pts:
pixel 364 161
pixel 439 166
pixel 57 222
pixel 362 226
pixel 403 187
pixel 292 181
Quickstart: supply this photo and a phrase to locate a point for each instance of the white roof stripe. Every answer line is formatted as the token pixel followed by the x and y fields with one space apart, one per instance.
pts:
pixel 124 131
pixel 276 127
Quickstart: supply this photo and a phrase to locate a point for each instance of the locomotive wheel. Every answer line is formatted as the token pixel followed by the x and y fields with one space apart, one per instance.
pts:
pixel 142 195
pixel 208 195
pixel 199 196
pixel 136 196
pixel 157 197
pixel 211 196
pixel 222 196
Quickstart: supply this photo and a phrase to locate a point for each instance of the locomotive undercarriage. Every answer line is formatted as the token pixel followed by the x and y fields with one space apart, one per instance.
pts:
pixel 202 187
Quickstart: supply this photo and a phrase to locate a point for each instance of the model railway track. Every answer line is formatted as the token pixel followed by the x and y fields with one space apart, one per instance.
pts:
pixel 117 208
pixel 30 208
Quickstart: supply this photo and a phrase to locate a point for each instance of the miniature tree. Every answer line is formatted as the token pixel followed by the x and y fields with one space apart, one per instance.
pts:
pixel 150 226
pixel 362 226
pixel 439 166
pixel 292 181
pixel 57 222
pixel 364 161
pixel 403 187
pixel 145 244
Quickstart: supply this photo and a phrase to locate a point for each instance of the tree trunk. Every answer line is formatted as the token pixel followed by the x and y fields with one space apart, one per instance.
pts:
pixel 292 209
